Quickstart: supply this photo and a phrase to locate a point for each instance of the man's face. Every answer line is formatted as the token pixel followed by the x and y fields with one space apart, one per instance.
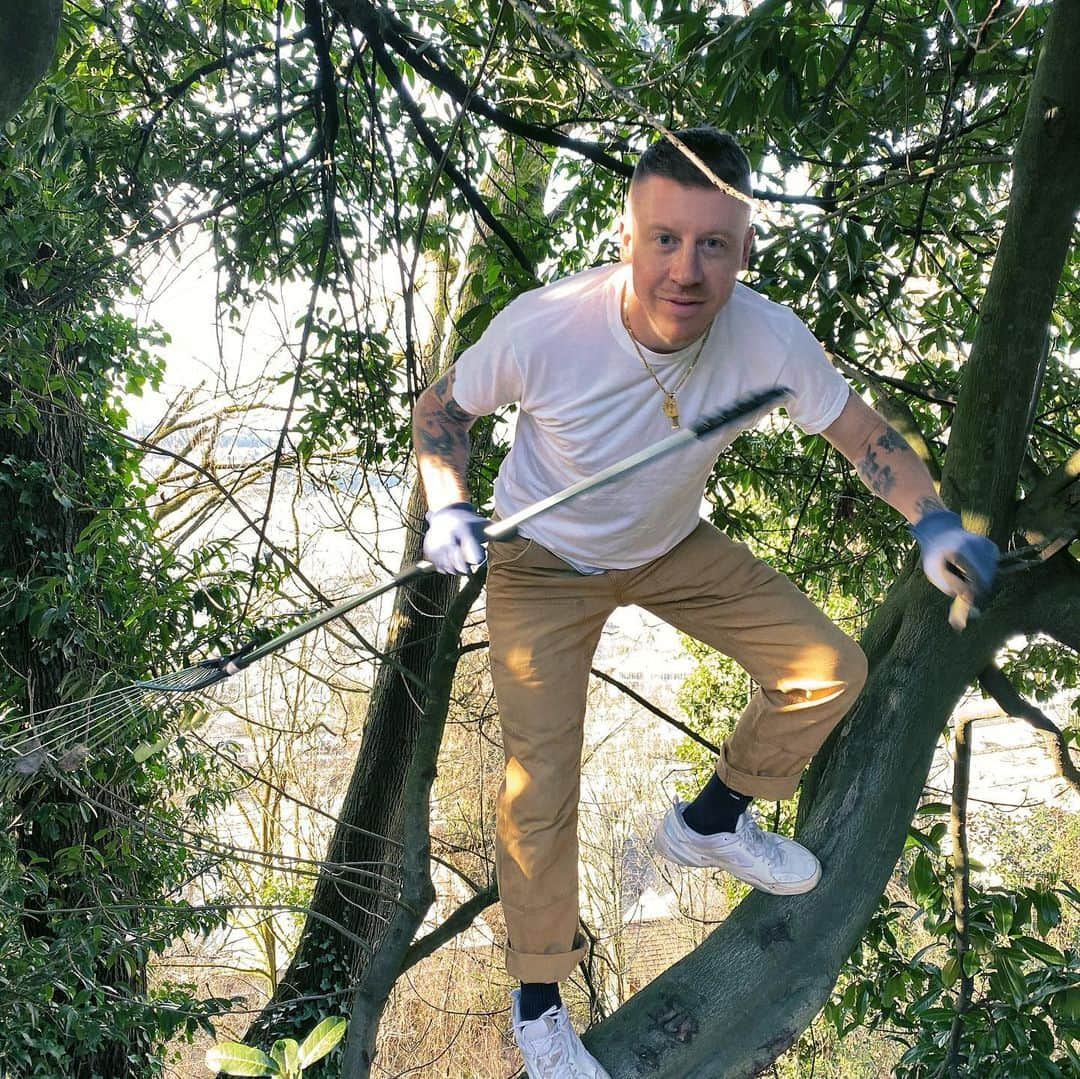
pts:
pixel 685 246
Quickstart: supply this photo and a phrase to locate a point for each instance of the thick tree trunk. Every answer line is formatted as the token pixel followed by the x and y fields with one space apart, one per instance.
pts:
pixel 55 442
pixel 27 44
pixel 366 837
pixel 418 892
pixel 1001 380
pixel 742 998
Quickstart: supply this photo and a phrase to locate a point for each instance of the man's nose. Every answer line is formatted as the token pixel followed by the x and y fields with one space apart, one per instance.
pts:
pixel 686 267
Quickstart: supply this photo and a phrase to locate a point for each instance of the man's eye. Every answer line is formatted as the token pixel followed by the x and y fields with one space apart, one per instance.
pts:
pixel 713 243
pixel 664 239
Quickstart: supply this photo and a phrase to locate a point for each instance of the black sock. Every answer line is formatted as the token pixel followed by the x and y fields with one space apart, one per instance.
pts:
pixel 717 808
pixel 536 998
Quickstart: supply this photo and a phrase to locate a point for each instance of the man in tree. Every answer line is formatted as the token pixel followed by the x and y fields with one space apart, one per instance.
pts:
pixel 603 364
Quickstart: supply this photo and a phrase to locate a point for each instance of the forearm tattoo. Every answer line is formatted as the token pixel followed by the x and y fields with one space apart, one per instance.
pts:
pixel 889 466
pixel 875 471
pixel 443 432
pixel 927 505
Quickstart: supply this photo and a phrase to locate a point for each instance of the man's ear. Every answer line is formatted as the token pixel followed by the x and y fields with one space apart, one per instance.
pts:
pixel 748 246
pixel 624 238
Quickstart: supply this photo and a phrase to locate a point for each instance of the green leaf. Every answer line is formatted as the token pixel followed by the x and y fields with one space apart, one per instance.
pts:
pixel 921 878
pixel 853 239
pixel 145 750
pixel 322 1039
pixel 917 838
pixel 1042 951
pixel 1047 910
pixel 971 962
pixel 233 1058
pixel 1012 980
pixel 1003 913
pixel 285 1052
pixel 1066 1005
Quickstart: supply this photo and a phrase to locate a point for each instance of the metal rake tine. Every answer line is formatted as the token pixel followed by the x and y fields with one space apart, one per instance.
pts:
pixel 73 755
pixel 189 680
pixel 70 716
pixel 32 753
pixel 106 733
pixel 123 707
pixel 30 717
pixel 123 717
pixel 89 711
pixel 102 727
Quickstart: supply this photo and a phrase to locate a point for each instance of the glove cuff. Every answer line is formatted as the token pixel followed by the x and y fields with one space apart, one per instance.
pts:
pixel 933 525
pixel 432 514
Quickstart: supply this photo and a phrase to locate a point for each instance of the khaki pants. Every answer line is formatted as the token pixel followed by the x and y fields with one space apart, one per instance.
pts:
pixel 545 620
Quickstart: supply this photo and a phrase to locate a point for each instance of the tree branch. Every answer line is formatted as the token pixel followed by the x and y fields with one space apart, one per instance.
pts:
pixel 378 24
pixel 417 891
pixel 961 889
pixel 431 144
pixel 849 52
pixel 658 712
pixel 1052 508
pixel 995 682
pixel 852 366
pixel 456 923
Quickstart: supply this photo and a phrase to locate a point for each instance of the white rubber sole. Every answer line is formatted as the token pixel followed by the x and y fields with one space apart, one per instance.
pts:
pixel 795 887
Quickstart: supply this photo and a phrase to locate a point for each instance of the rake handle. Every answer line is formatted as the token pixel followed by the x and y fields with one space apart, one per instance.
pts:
pixel 412 573
pixel 508 526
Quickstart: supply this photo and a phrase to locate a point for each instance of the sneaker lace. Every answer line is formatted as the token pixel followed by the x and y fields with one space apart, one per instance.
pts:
pixel 756 840
pixel 551 1051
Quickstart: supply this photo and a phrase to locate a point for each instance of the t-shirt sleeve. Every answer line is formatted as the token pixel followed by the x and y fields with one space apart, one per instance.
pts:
pixel 487 375
pixel 819 391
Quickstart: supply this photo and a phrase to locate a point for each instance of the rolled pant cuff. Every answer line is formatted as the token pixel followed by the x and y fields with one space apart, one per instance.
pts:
pixel 771 788
pixel 543 968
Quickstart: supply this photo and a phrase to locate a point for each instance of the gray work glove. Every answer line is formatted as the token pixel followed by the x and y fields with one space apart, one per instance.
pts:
pixel 958 562
pixel 454 542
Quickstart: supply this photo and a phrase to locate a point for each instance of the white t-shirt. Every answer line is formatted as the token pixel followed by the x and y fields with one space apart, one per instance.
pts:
pixel 562 353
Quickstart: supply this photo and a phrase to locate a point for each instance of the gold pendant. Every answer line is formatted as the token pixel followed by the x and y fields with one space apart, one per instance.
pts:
pixel 671 409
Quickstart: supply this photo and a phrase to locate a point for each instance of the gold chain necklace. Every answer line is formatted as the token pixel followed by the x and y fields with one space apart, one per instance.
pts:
pixel 670 405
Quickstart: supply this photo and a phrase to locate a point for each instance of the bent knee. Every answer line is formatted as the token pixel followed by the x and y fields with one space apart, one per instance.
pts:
pixel 852 666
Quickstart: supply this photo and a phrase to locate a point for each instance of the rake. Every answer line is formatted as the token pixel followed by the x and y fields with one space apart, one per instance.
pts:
pixel 64 736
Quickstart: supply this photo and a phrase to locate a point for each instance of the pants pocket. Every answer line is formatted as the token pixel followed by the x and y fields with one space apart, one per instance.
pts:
pixel 506 552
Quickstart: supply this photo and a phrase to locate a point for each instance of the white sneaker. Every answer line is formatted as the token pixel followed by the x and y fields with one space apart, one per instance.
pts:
pixel 550 1047
pixel 768 861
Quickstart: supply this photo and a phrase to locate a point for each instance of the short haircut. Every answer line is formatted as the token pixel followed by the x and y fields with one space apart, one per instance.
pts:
pixel 716 148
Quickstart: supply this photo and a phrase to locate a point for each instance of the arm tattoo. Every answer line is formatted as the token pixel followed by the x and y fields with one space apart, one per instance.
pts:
pixel 456 412
pixel 434 435
pixel 892 440
pixel 439 441
pixel 877 475
pixel 443 389
pixel 929 505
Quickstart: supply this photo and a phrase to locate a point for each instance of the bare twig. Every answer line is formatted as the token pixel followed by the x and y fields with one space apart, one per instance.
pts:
pixel 961 891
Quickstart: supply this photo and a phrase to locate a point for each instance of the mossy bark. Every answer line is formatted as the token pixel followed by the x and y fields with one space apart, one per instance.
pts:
pixel 27 45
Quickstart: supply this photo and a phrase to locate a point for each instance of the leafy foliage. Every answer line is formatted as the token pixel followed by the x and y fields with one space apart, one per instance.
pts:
pixel 287 1058
pixel 1023 1017
pixel 93 864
